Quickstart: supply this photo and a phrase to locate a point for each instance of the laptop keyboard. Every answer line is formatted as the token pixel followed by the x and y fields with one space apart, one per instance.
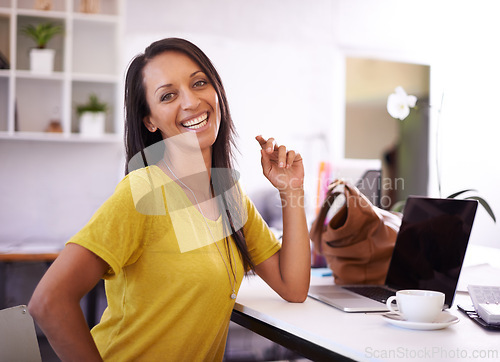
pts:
pixel 374 292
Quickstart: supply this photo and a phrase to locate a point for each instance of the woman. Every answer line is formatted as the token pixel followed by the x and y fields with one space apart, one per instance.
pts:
pixel 175 239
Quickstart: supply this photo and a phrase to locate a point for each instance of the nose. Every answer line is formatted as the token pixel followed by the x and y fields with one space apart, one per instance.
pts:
pixel 189 100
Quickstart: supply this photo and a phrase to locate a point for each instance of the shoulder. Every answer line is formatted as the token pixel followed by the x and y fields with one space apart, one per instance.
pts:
pixel 145 178
pixel 141 190
pixel 144 186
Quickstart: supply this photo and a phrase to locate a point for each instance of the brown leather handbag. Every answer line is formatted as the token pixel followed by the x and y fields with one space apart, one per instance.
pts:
pixel 357 242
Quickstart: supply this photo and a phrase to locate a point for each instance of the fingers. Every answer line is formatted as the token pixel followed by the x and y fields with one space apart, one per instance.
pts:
pixel 290 158
pixel 268 145
pixel 282 157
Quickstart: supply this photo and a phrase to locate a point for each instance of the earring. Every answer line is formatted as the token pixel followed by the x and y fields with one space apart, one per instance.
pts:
pixel 153 129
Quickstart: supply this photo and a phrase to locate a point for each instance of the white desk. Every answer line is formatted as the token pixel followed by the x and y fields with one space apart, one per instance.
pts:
pixel 321 332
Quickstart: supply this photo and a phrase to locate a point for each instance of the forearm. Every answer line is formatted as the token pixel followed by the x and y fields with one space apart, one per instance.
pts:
pixel 295 254
pixel 288 271
pixel 64 325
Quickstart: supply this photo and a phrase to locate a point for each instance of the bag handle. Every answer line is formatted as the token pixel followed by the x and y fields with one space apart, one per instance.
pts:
pixel 331 196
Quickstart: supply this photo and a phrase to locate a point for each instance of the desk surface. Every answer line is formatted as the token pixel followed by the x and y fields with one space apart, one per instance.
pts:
pixel 365 336
pixel 36 252
pixel 22 257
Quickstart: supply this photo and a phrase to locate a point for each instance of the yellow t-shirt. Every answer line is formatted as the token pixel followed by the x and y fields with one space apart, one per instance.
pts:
pixel 168 299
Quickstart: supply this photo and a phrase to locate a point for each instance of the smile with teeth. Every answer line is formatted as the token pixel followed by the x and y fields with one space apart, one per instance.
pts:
pixel 197 122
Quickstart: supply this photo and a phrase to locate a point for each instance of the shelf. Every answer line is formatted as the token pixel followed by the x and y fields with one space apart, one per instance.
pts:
pixel 83 77
pixel 26 74
pixel 87 61
pixel 98 78
pixel 41 13
pixel 102 18
pixel 60 137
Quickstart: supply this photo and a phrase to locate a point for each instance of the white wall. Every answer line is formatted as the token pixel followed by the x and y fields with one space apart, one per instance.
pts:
pixel 50 190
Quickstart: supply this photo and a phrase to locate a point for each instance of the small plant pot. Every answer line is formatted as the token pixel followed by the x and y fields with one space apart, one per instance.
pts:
pixel 92 123
pixel 42 61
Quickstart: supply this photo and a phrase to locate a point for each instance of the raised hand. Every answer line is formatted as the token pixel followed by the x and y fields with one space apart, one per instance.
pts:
pixel 282 167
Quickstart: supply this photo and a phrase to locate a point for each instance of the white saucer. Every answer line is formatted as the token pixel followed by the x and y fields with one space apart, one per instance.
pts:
pixel 444 320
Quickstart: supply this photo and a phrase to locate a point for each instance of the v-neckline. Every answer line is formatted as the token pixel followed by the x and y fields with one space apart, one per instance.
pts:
pixel 170 180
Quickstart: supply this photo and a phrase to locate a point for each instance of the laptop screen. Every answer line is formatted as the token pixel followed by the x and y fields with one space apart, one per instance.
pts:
pixel 431 245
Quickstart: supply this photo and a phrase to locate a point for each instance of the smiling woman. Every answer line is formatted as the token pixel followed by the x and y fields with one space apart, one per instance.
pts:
pixel 176 238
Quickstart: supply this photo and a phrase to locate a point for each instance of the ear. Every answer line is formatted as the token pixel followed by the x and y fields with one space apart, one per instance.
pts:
pixel 149 125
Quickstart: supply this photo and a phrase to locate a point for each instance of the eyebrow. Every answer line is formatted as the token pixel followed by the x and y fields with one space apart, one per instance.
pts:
pixel 170 84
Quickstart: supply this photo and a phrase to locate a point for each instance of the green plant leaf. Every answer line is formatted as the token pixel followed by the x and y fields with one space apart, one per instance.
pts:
pixel 399 206
pixel 454 195
pixel 485 205
pixel 93 105
pixel 41 33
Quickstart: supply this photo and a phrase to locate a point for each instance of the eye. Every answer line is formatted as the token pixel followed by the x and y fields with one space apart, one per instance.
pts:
pixel 167 97
pixel 200 83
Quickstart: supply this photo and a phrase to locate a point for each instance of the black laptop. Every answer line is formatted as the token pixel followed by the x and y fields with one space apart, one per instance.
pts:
pixel 428 254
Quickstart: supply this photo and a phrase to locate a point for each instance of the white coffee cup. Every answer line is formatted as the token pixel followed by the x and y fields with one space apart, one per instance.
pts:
pixel 417 305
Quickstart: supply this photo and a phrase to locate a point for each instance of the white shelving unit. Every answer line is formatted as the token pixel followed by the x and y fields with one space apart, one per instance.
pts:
pixel 86 62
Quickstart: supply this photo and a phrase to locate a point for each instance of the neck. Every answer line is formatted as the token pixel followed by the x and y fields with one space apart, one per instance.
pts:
pixel 183 152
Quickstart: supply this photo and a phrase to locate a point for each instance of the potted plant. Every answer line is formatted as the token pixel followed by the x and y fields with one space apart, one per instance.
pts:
pixel 41 58
pixel 92 116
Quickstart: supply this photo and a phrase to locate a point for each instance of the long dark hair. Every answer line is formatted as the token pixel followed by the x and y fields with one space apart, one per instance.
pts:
pixel 138 137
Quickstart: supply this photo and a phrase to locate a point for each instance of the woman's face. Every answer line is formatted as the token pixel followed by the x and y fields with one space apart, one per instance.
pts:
pixel 181 98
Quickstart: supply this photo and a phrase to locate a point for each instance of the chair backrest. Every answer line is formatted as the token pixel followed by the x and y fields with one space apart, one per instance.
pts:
pixel 18 340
